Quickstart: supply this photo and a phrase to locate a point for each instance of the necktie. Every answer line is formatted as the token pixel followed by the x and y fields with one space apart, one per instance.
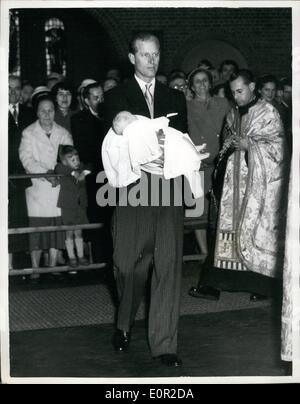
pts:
pixel 149 98
pixel 15 114
pixel 161 141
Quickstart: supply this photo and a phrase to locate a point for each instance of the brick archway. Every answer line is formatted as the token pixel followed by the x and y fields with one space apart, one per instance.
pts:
pixel 213 47
pixel 113 28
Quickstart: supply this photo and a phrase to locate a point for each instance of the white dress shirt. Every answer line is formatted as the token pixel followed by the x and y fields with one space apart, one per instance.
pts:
pixel 11 109
pixel 143 84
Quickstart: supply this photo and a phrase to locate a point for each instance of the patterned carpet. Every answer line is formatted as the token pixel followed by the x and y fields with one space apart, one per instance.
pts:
pixel 92 304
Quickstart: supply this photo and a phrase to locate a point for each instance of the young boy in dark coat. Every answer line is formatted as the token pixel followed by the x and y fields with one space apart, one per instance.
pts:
pixel 73 201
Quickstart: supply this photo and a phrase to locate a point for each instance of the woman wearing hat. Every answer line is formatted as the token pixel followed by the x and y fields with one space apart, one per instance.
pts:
pixel 38 153
pixel 80 99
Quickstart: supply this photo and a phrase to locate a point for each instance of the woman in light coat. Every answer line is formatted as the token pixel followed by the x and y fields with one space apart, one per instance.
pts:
pixel 38 154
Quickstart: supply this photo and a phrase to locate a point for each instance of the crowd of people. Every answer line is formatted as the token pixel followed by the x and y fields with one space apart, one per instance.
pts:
pixel 246 125
pixel 38 128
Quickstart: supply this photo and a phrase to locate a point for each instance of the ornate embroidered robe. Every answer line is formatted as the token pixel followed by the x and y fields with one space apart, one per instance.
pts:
pixel 250 229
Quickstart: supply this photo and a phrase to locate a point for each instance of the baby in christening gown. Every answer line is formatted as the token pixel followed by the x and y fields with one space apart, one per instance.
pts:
pixel 152 146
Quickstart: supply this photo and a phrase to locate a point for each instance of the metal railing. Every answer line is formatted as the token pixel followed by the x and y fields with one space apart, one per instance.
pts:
pixel 190 224
pixel 25 176
pixel 45 229
pixel 63 268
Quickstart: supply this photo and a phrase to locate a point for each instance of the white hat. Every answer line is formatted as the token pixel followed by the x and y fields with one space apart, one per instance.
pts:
pixel 40 90
pixel 85 83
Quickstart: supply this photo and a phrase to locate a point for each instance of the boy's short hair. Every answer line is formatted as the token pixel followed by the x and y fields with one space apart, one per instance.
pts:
pixel 64 150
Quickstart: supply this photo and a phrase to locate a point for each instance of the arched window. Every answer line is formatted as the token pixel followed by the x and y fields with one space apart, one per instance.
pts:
pixel 14 43
pixel 55 46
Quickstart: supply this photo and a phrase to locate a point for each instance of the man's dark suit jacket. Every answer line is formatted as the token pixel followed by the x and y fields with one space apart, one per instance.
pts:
pixel 25 118
pixel 87 132
pixel 129 97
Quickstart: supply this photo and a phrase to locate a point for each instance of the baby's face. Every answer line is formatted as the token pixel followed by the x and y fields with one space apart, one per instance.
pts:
pixel 72 161
pixel 122 121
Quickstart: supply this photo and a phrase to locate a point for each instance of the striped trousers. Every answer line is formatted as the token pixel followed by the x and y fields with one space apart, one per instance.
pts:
pixel 146 237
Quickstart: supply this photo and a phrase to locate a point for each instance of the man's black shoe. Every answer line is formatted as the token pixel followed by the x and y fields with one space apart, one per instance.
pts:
pixel 121 340
pixel 170 360
pixel 205 292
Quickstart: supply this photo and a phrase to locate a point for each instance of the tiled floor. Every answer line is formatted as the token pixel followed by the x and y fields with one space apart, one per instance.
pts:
pixel 63 328
pixel 72 303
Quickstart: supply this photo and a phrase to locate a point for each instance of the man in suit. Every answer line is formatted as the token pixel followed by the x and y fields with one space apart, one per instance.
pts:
pixel 146 235
pixel 87 126
pixel 88 132
pixel 19 117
